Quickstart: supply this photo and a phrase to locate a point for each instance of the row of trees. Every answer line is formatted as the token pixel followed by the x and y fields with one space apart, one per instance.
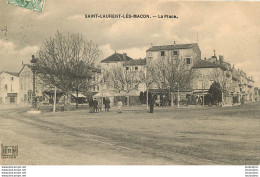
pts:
pixel 170 74
pixel 67 62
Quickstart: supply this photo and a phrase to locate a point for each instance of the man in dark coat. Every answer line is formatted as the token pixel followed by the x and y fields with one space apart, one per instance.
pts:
pixel 107 104
pixel 95 105
pixel 151 105
pixel 91 109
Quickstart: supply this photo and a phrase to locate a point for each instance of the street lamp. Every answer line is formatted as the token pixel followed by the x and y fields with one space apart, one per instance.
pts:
pixel 34 108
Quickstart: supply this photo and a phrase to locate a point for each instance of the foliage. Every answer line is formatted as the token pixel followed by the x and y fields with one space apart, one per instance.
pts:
pixel 121 79
pixel 172 74
pixel 215 93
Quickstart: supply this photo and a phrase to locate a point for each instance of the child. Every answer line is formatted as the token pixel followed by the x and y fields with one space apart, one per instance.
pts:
pixel 119 106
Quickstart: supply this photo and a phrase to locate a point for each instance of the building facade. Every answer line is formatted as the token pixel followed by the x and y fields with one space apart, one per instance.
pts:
pixel 188 54
pixel 26 86
pixel 235 84
pixel 9 88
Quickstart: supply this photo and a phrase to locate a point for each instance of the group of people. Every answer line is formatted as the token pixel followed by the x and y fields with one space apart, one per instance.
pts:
pixel 94 105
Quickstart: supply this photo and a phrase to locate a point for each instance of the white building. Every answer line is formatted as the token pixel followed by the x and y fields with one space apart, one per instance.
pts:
pixel 189 54
pixel 9 88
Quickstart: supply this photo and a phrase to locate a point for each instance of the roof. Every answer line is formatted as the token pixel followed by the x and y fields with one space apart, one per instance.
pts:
pixel 11 73
pixel 116 57
pixel 205 64
pixel 23 68
pixel 135 62
pixel 172 47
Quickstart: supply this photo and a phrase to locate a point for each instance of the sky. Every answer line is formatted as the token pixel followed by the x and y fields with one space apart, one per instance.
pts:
pixel 230 28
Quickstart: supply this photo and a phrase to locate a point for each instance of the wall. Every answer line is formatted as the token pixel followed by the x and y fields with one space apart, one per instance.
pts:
pixel 12 88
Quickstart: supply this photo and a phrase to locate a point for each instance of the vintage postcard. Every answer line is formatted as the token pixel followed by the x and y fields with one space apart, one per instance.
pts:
pixel 129 82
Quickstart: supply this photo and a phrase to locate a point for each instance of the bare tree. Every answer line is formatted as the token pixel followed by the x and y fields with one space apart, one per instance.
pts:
pixel 173 75
pixel 67 62
pixel 122 80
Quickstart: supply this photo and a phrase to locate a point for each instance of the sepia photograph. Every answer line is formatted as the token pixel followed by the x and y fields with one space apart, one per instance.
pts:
pixel 130 83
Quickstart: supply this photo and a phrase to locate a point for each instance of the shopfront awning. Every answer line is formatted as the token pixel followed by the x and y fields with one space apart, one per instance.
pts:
pixel 80 95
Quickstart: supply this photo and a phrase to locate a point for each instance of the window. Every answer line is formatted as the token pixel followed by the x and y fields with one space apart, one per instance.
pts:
pixel 175 52
pixel 188 61
pixel 136 68
pixel 136 87
pixel 149 54
pixel 5 86
pixel 12 78
pixel 162 53
pixel 127 68
pixel 12 99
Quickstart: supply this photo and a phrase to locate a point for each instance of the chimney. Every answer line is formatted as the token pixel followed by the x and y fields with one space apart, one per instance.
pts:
pixel 221 59
pixel 124 56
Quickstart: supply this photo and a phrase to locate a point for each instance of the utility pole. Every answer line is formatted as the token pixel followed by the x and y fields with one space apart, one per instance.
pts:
pixel 54 99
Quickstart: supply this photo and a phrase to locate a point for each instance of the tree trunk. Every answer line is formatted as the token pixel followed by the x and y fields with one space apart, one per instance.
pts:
pixel 54 100
pixel 172 104
pixel 77 103
pixel 147 105
pixel 222 97
pixel 128 100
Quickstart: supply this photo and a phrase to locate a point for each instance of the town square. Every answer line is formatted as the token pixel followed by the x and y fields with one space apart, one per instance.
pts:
pixel 169 136
pixel 129 83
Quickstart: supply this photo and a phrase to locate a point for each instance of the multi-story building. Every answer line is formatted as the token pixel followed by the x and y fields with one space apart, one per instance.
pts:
pixel 138 65
pixel 95 81
pixel 115 60
pixel 188 54
pixel 236 86
pixel 127 64
pixel 9 88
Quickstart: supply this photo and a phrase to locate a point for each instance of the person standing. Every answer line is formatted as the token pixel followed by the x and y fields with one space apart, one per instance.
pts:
pixel 91 109
pixel 151 105
pixel 107 104
pixel 119 106
pixel 95 105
